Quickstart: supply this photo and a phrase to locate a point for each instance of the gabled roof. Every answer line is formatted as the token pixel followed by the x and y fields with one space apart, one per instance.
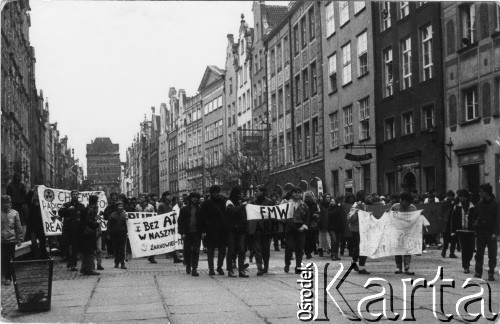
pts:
pixel 102 145
pixel 274 14
pixel 212 74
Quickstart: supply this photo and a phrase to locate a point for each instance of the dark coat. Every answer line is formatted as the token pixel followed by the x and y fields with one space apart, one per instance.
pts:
pixel 164 208
pixel 236 217
pixel 323 217
pixel 88 230
pixel 301 216
pixel 455 219
pixel 487 219
pixel 314 214
pixel 111 208
pixel 117 223
pixel 212 219
pixel 72 217
pixel 337 219
pixel 183 223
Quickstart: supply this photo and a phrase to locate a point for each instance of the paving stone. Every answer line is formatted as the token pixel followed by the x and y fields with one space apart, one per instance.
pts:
pixel 125 316
pixel 138 306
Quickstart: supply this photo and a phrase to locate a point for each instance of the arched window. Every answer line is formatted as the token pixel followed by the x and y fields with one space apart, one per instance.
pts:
pixel 452 110
pixel 450 37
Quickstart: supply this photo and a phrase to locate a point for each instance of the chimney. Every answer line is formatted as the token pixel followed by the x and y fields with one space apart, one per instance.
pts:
pixel 153 110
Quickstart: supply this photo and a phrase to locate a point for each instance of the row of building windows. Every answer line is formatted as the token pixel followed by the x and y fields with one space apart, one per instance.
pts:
pixel 213 130
pixel 343 10
pixel 408 125
pixel 213 155
pixel 213 105
pixel 363 106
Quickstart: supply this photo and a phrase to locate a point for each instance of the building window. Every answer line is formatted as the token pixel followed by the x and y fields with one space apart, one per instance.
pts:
pixel 335 183
pixel 343 12
pixel 275 152
pixel 388 75
pixel 272 59
pixel 287 97
pixel 348 126
pixel 289 147
pixel 261 56
pixel 296 40
pixel 312 24
pixel 273 106
pixel 430 178
pixel 364 119
pixel 314 79
pixel 348 175
pixel 468 13
pixel 315 138
pixel 406 62
pixel 330 19
pixel 408 123
pixel 303 31
pixel 307 137
pixel 299 143
pixel 427 59
pixel 428 116
pixel 404 9
pixel 386 15
pixel 256 62
pixel 297 89
pixel 362 54
pixel 280 101
pixel 471 104
pixel 305 80
pixel 281 156
pixel 390 129
pixel 334 130
pixel 346 62
pixel 358 5
pixel 279 57
pixel 391 182
pixel 366 178
pixel 285 49
pixel 332 72
pixel 230 85
pixel 497 21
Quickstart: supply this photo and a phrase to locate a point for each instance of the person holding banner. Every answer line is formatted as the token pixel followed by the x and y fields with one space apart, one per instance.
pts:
pixel 353 220
pixel 404 206
pixel 236 225
pixel 110 208
pixel 145 206
pixel 88 230
pixel 35 226
pixel 262 241
pixel 72 212
pixel 117 228
pixel 212 217
pixel 295 231
pixel 464 215
pixel 189 226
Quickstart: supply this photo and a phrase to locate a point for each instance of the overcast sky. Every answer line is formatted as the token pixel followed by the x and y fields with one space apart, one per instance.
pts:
pixel 104 64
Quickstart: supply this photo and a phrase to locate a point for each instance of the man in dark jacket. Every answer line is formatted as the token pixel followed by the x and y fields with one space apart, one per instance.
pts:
pixel 336 227
pixel 110 208
pixel 295 230
pixel 486 227
pixel 71 213
pixel 236 225
pixel 262 241
pixel 88 230
pixel 17 190
pixel 212 218
pixel 462 220
pixel 189 226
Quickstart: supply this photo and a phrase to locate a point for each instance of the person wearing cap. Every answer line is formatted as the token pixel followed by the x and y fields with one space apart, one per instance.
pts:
pixel 189 226
pixel 88 230
pixel 212 218
pixel 486 226
pixel 12 234
pixel 262 241
pixel 72 213
pixel 464 215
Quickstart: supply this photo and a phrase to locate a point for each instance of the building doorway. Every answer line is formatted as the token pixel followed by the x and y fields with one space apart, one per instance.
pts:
pixel 409 182
pixel 471 178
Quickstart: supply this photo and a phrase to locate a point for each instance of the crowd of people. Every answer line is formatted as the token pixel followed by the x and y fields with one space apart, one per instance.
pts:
pixel 321 225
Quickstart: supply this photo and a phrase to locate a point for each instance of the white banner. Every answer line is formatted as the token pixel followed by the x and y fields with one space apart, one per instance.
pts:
pixel 395 233
pixel 151 234
pixel 268 219
pixel 51 200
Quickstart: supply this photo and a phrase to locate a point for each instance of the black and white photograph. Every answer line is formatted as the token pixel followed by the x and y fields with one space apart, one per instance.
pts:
pixel 250 161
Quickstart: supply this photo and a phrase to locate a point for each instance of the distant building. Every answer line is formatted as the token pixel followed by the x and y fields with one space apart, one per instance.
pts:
pixel 173 149
pixel 194 131
pixel 163 148
pixel 103 165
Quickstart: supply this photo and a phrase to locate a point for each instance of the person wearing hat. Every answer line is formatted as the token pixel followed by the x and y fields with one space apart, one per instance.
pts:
pixel 189 226
pixel 72 213
pixel 486 227
pixel 88 230
pixel 212 218
pixel 12 234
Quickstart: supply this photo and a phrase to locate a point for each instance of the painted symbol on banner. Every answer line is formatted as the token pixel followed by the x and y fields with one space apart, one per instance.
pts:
pixel 138 227
pixel 48 195
pixel 144 247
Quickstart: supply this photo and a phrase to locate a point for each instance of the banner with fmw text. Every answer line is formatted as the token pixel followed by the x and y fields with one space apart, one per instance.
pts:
pixel 268 219
pixel 51 200
pixel 395 233
pixel 151 234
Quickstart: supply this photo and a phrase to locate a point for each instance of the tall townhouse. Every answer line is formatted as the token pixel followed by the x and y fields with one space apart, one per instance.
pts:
pixel 472 94
pixel 163 148
pixel 211 90
pixel 153 170
pixel 230 91
pixel 244 83
pixel 295 98
pixel 182 142
pixel 409 110
pixel 194 129
pixel 348 70
pixel 173 149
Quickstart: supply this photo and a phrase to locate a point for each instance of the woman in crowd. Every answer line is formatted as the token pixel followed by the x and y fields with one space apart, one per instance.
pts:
pixel 324 238
pixel 336 227
pixel 12 234
pixel 312 232
pixel 117 228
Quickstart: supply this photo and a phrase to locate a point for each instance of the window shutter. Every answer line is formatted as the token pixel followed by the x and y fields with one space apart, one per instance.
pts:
pixel 486 100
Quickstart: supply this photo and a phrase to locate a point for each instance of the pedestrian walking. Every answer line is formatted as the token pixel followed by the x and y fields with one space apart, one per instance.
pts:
pixel 110 208
pixel 336 227
pixel 277 237
pixel 117 228
pixel 145 206
pixel 12 235
pixel 212 218
pixel 262 241
pixel 88 243
pixel 347 239
pixel 72 213
pixel 34 228
pixel 189 226
pixel 295 230
pixel 449 234
pixel 353 218
pixel 236 226
pixel 486 226
pixel 18 191
pixel 324 240
pixel 312 231
pixel 404 206
pixel 464 215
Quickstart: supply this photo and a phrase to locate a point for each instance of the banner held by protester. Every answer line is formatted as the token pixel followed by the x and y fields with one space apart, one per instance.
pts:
pixel 51 200
pixel 268 219
pixel 151 234
pixel 395 233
